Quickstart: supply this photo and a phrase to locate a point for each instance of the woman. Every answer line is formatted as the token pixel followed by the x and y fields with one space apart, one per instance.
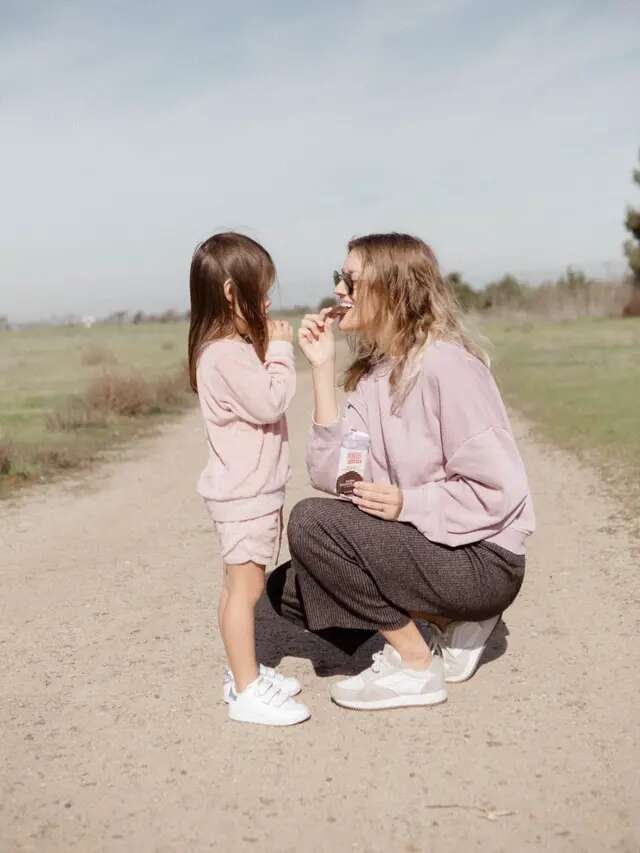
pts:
pixel 440 531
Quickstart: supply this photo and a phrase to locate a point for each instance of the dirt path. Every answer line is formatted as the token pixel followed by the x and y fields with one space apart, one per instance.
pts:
pixel 114 738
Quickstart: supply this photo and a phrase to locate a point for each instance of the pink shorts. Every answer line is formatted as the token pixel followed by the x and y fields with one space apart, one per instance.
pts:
pixel 251 541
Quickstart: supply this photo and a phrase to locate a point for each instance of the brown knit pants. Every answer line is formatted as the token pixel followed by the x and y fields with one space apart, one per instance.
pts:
pixel 352 574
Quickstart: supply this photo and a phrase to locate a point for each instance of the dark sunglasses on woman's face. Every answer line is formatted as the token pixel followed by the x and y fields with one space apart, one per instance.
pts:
pixel 348 281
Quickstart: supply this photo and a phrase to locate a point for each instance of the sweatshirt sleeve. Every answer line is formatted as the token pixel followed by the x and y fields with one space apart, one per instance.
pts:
pixel 485 484
pixel 259 394
pixel 323 448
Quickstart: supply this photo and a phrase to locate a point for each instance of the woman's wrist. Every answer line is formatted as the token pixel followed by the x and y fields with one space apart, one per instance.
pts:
pixel 327 369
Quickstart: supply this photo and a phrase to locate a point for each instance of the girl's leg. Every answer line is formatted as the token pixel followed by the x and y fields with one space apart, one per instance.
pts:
pixel 245 584
pixel 224 597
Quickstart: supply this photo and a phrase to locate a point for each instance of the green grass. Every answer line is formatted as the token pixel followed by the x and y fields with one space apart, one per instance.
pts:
pixel 579 384
pixel 43 367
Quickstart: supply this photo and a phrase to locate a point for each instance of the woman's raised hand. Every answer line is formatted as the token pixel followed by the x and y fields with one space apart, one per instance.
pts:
pixel 280 330
pixel 316 338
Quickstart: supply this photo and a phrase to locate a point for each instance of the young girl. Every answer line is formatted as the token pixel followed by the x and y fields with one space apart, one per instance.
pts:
pixel 241 365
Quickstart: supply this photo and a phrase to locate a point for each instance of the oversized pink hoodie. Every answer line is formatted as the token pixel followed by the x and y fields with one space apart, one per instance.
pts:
pixel 450 449
pixel 243 402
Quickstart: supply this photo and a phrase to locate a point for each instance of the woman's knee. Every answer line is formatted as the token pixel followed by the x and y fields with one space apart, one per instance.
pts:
pixel 304 522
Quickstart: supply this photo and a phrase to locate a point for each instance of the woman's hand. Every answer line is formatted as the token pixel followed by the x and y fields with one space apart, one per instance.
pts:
pixel 316 338
pixel 280 330
pixel 379 500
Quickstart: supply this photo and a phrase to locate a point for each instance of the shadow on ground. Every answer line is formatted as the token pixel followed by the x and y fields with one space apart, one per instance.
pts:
pixel 276 638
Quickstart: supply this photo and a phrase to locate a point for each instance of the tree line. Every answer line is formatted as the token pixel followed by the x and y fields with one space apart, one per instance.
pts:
pixel 584 294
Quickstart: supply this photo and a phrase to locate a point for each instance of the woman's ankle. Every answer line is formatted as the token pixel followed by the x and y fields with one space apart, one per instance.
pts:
pixel 422 661
pixel 440 622
pixel 410 645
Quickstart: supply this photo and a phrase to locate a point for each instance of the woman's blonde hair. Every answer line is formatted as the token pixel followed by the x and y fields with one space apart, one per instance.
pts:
pixel 414 305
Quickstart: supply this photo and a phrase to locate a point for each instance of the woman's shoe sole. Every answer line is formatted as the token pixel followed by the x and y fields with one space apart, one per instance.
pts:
pixel 401 702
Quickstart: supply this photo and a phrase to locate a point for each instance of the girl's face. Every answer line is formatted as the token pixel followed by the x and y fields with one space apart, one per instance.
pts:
pixel 361 311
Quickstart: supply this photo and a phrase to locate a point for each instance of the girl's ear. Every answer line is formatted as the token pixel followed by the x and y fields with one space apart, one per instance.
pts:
pixel 228 293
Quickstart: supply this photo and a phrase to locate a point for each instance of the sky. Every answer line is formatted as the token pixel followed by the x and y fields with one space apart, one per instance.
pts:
pixel 502 132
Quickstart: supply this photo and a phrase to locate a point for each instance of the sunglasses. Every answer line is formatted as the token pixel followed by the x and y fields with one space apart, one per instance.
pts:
pixel 348 281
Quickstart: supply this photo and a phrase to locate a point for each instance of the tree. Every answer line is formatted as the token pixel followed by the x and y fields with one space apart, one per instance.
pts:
pixel 467 297
pixel 327 302
pixel 507 292
pixel 169 316
pixel 573 280
pixel 632 251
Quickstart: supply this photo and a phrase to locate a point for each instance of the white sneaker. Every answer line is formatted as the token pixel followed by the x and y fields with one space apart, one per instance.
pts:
pixel 262 702
pixel 462 645
pixel 387 683
pixel 290 686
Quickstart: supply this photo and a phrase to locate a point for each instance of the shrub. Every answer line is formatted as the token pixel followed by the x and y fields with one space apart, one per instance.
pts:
pixel 96 354
pixel 6 457
pixel 171 391
pixel 57 458
pixel 632 308
pixel 113 395
pixel 75 413
pixel 123 395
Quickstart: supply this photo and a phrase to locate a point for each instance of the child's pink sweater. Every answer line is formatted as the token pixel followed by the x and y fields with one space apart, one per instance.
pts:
pixel 243 403
pixel 450 449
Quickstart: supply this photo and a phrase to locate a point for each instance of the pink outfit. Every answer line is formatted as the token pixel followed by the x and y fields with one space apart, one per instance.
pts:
pixel 450 449
pixel 243 403
pixel 255 540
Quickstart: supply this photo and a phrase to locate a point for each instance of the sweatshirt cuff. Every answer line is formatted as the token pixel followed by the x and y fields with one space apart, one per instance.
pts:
pixel 416 505
pixel 327 433
pixel 280 349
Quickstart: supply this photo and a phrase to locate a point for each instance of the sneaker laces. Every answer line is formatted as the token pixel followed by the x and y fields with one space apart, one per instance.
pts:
pixel 378 660
pixel 437 640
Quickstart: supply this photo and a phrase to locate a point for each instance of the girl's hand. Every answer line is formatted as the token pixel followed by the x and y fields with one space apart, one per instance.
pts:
pixel 379 500
pixel 280 330
pixel 316 338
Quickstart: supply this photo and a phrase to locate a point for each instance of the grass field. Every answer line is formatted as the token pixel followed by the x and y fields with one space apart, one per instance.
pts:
pixel 579 384
pixel 42 368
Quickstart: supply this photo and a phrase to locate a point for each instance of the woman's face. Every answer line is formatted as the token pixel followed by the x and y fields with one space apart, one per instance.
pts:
pixel 359 314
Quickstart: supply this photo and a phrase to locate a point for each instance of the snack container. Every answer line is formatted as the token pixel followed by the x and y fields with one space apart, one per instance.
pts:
pixel 353 462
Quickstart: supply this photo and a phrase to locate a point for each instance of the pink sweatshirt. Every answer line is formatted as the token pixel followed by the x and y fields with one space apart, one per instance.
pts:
pixel 243 403
pixel 450 449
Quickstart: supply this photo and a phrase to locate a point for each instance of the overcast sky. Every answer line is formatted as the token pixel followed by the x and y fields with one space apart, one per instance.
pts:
pixel 502 132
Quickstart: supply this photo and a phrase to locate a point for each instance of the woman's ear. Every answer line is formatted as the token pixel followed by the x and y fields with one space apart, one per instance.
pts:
pixel 228 290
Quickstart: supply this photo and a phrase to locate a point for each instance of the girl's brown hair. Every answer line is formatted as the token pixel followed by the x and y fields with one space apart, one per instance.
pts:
pixel 413 303
pixel 223 257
